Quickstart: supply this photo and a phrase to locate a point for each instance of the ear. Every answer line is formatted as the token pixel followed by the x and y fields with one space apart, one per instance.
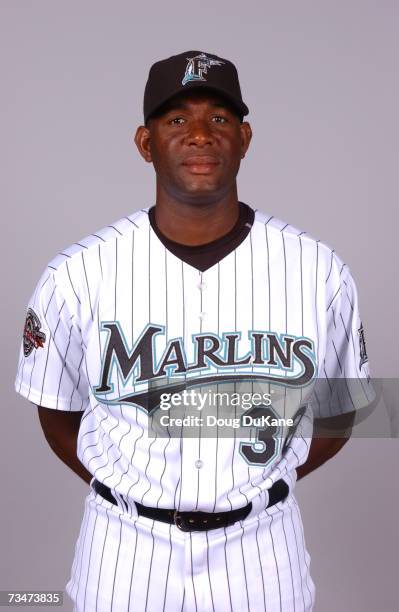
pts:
pixel 246 137
pixel 142 140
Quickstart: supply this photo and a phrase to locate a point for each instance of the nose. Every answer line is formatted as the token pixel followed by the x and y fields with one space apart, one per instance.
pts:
pixel 199 134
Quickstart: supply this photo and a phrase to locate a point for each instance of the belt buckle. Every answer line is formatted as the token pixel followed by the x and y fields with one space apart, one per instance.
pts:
pixel 201 522
pixel 180 521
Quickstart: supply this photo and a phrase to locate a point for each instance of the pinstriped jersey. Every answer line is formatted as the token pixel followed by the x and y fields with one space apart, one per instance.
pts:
pixel 153 351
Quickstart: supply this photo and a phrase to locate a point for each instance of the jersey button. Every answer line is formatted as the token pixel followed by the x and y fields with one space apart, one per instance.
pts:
pixel 202 315
pixel 201 286
pixel 198 464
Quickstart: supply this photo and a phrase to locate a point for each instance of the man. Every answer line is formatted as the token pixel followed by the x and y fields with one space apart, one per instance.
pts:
pixel 196 308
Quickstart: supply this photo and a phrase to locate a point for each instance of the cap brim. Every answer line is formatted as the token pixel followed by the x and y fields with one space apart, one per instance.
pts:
pixel 241 108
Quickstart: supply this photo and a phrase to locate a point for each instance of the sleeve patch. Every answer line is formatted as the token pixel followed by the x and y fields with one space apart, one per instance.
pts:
pixel 33 338
pixel 362 346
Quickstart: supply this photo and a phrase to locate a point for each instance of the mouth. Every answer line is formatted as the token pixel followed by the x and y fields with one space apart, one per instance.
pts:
pixel 201 164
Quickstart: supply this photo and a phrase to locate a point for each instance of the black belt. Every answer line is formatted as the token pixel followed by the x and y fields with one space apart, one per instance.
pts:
pixel 196 521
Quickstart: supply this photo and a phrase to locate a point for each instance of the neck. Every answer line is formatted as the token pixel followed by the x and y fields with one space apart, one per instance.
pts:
pixel 195 223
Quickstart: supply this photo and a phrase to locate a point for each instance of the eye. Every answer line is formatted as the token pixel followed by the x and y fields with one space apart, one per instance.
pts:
pixel 176 121
pixel 219 119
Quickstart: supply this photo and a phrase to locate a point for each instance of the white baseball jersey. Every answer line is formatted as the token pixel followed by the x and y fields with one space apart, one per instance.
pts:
pixel 119 328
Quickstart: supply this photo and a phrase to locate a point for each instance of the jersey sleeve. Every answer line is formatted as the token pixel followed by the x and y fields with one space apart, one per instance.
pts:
pixel 51 361
pixel 343 380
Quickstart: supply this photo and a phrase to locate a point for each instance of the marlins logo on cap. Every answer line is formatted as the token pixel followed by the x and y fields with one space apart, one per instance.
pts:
pixel 198 66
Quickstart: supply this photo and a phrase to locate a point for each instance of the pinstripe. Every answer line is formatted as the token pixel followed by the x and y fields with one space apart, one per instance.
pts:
pixel 104 433
pixel 49 302
pixel 332 300
pixel 120 452
pixel 99 237
pixel 347 295
pixel 275 558
pixel 243 558
pixel 333 317
pixel 331 265
pixel 168 569
pixel 31 372
pixel 297 552
pixel 130 221
pixel 128 494
pixel 330 388
pixel 152 555
pixel 199 432
pixel 179 482
pixel 47 353
pixel 20 373
pixel 289 560
pixel 133 565
pixel 100 262
pixel 88 566
pixel 293 505
pixel 235 408
pixel 164 468
pixel 252 321
pixel 191 569
pixel 87 284
pixel 63 364
pixel 227 569
pixel 76 388
pixel 102 558
pixel 151 417
pixel 115 228
pixel 336 355
pixel 117 562
pixel 148 463
pixel 107 451
pixel 43 284
pixel 79 562
pixel 207 569
pixel 70 280
pixel 260 565
pixel 343 326
pixel 217 390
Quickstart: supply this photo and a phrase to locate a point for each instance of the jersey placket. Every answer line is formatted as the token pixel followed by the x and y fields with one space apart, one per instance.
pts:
pixel 198 315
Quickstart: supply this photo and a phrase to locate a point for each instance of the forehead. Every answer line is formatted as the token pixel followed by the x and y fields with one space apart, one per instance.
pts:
pixel 197 97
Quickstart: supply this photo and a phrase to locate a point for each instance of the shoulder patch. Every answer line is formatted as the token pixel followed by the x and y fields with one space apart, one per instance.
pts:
pixel 33 338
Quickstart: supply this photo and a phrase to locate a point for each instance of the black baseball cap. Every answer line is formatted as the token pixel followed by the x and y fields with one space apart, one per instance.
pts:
pixel 192 70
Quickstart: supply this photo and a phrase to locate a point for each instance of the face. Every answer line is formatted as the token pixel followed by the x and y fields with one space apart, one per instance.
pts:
pixel 196 145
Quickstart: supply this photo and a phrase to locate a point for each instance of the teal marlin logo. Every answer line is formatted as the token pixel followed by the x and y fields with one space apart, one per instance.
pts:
pixel 198 66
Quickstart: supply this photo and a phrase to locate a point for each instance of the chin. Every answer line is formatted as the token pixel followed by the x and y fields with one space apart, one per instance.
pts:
pixel 202 188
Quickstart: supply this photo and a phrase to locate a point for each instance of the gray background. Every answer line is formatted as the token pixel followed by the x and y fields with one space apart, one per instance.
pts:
pixel 321 81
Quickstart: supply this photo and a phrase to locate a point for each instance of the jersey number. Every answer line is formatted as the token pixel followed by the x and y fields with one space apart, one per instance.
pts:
pixel 265 447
